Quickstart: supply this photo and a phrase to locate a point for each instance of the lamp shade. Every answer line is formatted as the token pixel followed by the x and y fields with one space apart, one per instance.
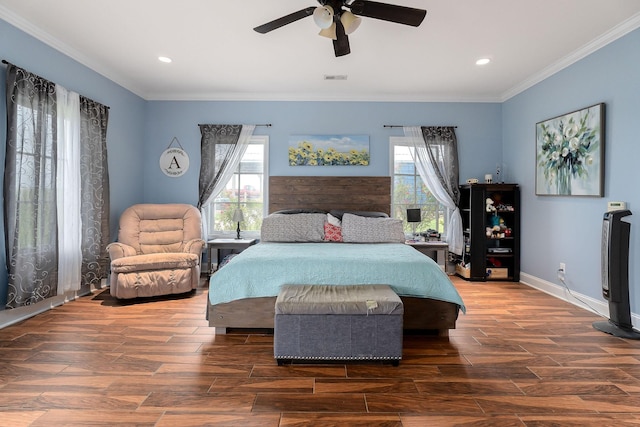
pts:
pixel 350 22
pixel 237 216
pixel 414 215
pixel 323 16
pixel 329 32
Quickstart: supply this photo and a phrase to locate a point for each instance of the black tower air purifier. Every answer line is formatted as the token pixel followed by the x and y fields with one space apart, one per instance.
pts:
pixel 615 275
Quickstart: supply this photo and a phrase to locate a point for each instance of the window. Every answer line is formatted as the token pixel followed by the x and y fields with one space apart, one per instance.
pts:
pixel 408 191
pixel 246 190
pixel 35 191
pixel 55 183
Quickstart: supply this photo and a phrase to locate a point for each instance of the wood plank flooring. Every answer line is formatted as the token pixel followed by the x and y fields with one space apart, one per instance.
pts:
pixel 518 358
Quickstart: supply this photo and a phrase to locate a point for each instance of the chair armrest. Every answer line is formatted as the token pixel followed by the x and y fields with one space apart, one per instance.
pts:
pixel 194 246
pixel 118 250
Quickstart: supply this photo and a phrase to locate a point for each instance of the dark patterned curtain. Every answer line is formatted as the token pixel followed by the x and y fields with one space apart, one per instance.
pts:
pixel 221 149
pixel 436 159
pixel 442 147
pixel 31 213
pixel 217 146
pixel 30 188
pixel 443 176
pixel 94 176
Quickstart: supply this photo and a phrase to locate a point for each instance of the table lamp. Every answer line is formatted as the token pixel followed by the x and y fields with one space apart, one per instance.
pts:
pixel 414 216
pixel 238 217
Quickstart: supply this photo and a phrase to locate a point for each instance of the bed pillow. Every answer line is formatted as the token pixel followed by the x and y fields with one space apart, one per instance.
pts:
pixel 332 229
pixel 359 229
pixel 298 211
pixel 340 213
pixel 334 221
pixel 303 227
pixel 332 233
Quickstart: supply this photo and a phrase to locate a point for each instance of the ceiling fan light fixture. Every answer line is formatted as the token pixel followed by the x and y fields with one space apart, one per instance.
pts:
pixel 330 32
pixel 323 16
pixel 350 22
pixel 342 17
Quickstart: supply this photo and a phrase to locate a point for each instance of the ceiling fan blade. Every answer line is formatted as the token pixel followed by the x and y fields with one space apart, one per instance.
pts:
pixel 388 12
pixel 341 43
pixel 288 19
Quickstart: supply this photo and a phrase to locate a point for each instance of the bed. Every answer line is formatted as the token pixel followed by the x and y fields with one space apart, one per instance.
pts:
pixel 298 246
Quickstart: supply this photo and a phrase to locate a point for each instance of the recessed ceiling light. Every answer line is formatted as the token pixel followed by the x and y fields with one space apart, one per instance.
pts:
pixel 483 61
pixel 164 59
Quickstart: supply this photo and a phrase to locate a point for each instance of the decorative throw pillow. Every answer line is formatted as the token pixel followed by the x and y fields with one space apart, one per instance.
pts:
pixel 334 221
pixel 304 227
pixel 359 229
pixel 332 233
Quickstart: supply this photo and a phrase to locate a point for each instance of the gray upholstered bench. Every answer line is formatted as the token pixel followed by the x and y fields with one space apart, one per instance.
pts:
pixel 341 322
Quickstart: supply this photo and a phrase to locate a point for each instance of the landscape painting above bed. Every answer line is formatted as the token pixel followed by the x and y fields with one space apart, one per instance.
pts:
pixel 329 150
pixel 293 250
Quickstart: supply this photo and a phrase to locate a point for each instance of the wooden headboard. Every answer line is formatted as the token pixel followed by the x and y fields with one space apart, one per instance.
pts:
pixel 357 193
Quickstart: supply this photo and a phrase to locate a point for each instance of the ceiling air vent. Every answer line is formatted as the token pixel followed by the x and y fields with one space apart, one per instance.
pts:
pixel 335 77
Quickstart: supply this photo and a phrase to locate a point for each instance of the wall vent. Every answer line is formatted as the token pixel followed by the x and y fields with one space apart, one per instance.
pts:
pixel 335 77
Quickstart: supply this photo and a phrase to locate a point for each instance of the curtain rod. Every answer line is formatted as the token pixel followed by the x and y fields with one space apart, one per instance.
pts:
pixel 401 126
pixel 4 61
pixel 264 125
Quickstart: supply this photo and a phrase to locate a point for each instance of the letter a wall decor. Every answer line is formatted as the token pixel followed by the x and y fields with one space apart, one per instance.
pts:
pixel 174 162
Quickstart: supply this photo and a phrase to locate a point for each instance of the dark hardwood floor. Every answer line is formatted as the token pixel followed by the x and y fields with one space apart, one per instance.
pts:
pixel 518 358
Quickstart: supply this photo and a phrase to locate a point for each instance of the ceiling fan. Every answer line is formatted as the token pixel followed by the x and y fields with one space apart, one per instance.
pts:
pixel 339 18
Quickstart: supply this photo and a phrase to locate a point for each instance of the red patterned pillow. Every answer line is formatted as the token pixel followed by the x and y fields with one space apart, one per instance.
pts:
pixel 332 233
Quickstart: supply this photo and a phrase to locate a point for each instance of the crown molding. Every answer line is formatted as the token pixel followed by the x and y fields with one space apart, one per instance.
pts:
pixel 612 35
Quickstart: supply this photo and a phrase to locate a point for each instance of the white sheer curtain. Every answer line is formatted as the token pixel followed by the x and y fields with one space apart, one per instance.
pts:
pixel 227 159
pixel 68 200
pixel 427 171
pixel 56 190
pixel 233 160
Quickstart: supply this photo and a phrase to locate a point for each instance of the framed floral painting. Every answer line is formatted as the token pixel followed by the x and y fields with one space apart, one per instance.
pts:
pixel 329 150
pixel 570 154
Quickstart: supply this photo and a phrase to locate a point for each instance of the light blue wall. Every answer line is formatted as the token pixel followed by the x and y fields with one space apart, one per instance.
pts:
pixel 125 137
pixel 478 132
pixel 555 229
pixel 568 229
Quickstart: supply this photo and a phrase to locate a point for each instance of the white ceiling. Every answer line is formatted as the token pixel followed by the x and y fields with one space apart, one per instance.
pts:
pixel 217 55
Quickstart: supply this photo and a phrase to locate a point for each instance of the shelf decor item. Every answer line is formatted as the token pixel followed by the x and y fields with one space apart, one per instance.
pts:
pixel 570 154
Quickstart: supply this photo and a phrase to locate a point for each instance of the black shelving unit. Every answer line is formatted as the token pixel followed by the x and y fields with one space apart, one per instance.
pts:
pixel 492 235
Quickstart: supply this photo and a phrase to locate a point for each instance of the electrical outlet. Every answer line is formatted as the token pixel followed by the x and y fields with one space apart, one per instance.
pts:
pixel 563 267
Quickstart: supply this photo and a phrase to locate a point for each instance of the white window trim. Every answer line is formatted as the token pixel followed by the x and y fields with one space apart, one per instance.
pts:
pixel 395 141
pixel 255 139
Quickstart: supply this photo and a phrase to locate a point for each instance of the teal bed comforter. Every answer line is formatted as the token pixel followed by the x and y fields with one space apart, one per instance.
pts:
pixel 261 269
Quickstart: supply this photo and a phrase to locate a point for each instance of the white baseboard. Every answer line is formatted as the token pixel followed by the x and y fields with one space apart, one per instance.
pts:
pixel 598 307
pixel 14 315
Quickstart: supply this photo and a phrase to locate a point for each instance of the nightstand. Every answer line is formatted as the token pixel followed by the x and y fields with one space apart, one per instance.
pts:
pixel 438 251
pixel 217 244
